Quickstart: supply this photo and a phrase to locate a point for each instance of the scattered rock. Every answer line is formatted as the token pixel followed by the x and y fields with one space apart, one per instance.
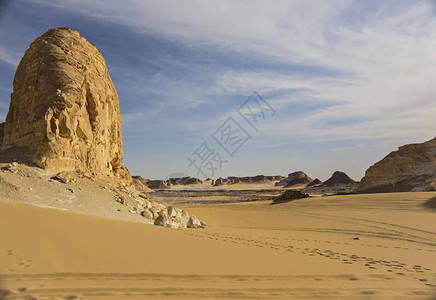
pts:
pixel 147 214
pixel 65 177
pixel 163 220
pixel 193 222
pixel 289 196
pixel 120 199
pixel 133 210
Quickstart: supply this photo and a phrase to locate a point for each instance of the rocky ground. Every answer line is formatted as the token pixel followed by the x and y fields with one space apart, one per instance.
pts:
pixel 81 193
pixel 229 195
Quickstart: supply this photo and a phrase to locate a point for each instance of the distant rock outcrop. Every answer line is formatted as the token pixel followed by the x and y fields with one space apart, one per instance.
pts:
pixel 157 184
pixel 315 182
pixel 246 179
pixel 338 178
pixel 295 178
pixel 64 108
pixel 411 168
pixel 184 181
pixel 220 181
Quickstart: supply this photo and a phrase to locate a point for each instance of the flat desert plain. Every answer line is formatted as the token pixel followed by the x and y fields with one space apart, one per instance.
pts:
pixel 373 246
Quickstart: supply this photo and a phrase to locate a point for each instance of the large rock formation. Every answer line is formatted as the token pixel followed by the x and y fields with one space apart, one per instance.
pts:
pixel 295 178
pixel 410 168
pixel 337 178
pixel 64 107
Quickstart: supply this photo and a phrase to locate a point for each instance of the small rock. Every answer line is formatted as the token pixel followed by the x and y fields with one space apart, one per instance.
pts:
pixel 162 220
pixel 147 214
pixel 184 214
pixel 133 210
pixel 171 211
pixel 120 199
pixel 164 213
pixel 64 177
pixel 194 222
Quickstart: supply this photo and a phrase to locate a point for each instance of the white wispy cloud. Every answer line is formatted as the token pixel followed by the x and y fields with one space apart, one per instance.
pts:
pixel 382 55
pixel 389 51
pixel 9 57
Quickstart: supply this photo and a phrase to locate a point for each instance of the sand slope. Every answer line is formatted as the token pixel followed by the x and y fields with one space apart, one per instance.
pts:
pixel 301 249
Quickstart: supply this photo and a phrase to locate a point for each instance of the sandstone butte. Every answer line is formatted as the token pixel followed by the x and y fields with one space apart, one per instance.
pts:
pixel 64 112
pixel 411 168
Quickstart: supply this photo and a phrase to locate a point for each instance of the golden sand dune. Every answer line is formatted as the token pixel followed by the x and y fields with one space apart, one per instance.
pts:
pixel 378 246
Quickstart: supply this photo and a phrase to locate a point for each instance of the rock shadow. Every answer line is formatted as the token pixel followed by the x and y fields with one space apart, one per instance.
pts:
pixel 431 203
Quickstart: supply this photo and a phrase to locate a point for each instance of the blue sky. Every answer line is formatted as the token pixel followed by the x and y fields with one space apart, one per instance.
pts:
pixel 349 81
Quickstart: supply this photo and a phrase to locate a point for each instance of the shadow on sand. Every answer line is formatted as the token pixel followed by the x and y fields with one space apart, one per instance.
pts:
pixel 3 292
pixel 430 203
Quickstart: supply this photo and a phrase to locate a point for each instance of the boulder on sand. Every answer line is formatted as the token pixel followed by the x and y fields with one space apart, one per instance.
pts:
pixel 193 222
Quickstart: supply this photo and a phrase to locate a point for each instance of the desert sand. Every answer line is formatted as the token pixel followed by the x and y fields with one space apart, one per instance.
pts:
pixel 375 246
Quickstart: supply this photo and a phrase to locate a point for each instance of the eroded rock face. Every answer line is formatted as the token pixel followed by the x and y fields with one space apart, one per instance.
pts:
pixel 411 168
pixel 64 107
